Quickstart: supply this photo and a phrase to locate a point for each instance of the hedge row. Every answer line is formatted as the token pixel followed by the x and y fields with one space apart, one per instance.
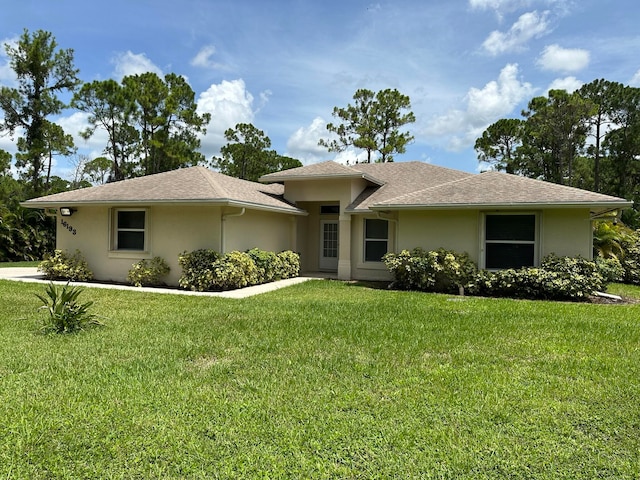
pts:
pixel 443 271
pixel 204 270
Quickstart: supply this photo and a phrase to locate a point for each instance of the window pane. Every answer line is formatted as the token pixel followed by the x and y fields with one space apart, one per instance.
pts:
pixel 509 255
pixel 376 229
pixel 330 209
pixel 133 219
pixel 374 250
pixel 511 227
pixel 128 240
pixel 330 240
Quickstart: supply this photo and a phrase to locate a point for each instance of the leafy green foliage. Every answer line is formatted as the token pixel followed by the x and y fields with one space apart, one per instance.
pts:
pixel 440 270
pixel 65 314
pixel 148 272
pixel 558 278
pixel 65 266
pixel 247 155
pixel 204 270
pixel 43 72
pixel 631 259
pixel 372 124
pixel 197 269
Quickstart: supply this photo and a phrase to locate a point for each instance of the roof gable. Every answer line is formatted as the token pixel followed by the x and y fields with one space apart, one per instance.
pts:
pixel 316 171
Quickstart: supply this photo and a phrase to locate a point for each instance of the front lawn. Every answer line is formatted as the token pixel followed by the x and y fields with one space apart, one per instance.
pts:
pixel 321 380
pixel 19 264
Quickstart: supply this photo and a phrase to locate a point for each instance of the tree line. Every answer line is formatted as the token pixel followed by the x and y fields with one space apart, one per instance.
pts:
pixel 588 139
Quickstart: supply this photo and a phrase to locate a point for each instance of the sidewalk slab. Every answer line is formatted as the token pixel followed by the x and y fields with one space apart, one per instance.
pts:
pixel 31 275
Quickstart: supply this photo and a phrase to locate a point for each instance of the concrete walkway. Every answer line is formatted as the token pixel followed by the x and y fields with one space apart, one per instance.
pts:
pixel 31 274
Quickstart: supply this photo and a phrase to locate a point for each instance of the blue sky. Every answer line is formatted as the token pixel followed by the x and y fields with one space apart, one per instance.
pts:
pixel 283 65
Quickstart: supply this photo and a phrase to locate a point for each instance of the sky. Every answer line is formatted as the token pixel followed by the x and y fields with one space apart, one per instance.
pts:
pixel 283 65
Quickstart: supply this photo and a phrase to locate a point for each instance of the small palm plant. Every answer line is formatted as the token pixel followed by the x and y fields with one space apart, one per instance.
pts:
pixel 65 313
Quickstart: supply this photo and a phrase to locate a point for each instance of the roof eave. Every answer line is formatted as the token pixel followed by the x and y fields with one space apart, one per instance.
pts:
pixel 222 202
pixel 328 176
pixel 510 206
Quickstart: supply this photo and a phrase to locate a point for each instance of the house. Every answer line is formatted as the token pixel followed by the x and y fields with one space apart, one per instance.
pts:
pixel 341 219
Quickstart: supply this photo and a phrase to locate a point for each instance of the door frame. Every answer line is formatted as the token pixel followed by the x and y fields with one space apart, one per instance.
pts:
pixel 329 264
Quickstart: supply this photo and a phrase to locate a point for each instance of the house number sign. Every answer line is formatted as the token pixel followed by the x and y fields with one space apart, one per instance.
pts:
pixel 66 225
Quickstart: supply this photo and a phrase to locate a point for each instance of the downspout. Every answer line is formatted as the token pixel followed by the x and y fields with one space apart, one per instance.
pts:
pixel 224 219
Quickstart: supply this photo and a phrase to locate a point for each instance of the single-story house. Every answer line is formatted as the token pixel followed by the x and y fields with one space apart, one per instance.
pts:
pixel 340 219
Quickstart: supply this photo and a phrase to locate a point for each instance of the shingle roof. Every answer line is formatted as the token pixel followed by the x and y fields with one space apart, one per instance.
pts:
pixel 400 178
pixel 500 190
pixel 322 170
pixel 186 185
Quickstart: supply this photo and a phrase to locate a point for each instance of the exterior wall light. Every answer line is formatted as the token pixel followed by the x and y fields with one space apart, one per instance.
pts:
pixel 66 211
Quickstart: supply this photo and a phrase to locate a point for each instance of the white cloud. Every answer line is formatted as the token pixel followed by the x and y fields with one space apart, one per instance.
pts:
pixel 129 63
pixel 558 59
pixel 76 123
pixel 204 58
pixel 303 145
pixel 7 75
pixel 530 25
pixel 570 84
pixel 229 103
pixel 495 100
pixel 635 81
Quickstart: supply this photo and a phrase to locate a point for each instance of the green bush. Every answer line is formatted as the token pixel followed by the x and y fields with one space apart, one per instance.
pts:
pixel 65 313
pixel 288 265
pixel 440 270
pixel 631 258
pixel 197 269
pixel 148 272
pixel 204 270
pixel 267 264
pixel 64 266
pixel 558 278
pixel 234 270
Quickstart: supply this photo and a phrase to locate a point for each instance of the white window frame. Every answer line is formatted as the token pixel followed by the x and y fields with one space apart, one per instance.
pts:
pixel 535 242
pixel 367 240
pixel 114 229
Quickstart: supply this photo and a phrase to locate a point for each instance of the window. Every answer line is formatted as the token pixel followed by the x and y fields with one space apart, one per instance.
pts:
pixel 510 241
pixel 376 239
pixel 329 209
pixel 130 230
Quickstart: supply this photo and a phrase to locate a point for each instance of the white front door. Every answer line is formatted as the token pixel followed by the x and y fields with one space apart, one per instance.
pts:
pixel 329 245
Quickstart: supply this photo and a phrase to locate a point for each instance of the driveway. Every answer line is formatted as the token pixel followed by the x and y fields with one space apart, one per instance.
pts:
pixel 31 274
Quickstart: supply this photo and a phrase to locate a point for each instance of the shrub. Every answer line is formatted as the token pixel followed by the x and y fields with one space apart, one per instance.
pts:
pixel 631 259
pixel 64 266
pixel 288 265
pixel 558 278
pixel 440 270
pixel 234 270
pixel 197 269
pixel 267 264
pixel 65 313
pixel 611 269
pixel 148 272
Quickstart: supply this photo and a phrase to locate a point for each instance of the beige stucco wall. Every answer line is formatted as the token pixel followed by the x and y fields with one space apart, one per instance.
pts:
pixel 453 230
pixel 565 232
pixel 171 231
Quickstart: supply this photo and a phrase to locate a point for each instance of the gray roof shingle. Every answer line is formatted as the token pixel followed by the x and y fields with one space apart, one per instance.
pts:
pixel 500 190
pixel 185 185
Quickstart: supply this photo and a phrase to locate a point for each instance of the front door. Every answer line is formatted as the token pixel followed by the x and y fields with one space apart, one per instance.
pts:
pixel 329 245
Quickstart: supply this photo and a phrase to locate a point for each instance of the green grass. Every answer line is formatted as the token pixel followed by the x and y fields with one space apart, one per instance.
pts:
pixel 19 264
pixel 320 380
